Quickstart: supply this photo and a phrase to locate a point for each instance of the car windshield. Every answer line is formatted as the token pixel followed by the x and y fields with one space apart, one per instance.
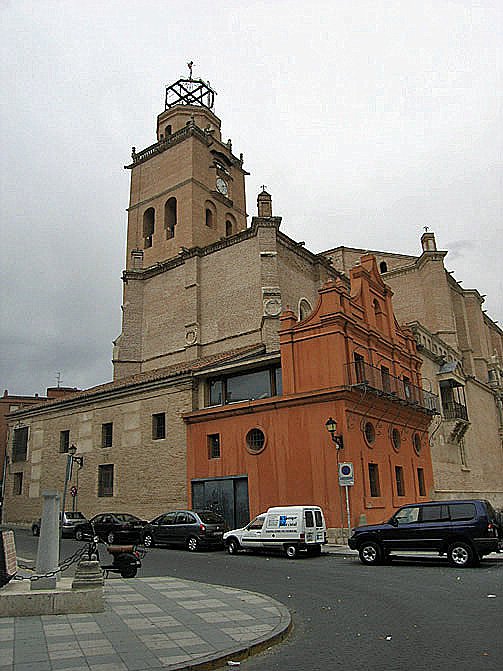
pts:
pixel 209 517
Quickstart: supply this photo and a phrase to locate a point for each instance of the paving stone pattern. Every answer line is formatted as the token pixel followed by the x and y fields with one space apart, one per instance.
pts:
pixel 149 623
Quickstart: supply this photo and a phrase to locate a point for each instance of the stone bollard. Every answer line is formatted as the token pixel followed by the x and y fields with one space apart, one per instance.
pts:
pixel 48 544
pixel 88 575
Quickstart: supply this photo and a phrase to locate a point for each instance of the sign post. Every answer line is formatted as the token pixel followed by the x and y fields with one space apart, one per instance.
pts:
pixel 346 480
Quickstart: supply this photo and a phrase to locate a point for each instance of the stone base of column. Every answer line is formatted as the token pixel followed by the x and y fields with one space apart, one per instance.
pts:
pixel 88 575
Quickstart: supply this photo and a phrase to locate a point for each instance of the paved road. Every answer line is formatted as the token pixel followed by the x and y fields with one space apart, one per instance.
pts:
pixel 414 615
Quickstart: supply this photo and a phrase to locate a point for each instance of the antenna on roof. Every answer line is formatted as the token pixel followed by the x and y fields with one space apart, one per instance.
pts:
pixel 58 378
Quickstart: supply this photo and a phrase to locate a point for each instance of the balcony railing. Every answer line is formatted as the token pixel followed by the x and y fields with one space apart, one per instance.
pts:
pixel 453 410
pixel 362 374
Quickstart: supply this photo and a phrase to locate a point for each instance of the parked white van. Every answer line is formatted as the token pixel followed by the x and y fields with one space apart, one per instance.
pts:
pixel 286 528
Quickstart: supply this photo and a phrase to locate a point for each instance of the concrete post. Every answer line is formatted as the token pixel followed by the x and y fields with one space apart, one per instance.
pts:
pixel 48 544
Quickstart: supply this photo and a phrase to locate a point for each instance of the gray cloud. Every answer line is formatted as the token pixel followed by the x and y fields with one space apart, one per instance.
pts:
pixel 367 121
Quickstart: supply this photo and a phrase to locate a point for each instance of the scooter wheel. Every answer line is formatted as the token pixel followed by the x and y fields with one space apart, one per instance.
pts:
pixel 129 571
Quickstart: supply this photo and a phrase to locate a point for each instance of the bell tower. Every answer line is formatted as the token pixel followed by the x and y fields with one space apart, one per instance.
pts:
pixel 187 189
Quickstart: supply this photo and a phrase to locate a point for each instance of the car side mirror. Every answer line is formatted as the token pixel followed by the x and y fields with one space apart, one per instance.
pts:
pixel 394 522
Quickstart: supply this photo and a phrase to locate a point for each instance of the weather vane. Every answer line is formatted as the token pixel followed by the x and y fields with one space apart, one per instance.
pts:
pixel 190 65
pixel 426 228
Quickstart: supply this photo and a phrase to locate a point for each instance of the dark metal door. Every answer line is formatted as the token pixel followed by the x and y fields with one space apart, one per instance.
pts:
pixel 226 496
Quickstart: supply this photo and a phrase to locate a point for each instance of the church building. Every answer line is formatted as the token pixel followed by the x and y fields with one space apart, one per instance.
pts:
pixel 238 345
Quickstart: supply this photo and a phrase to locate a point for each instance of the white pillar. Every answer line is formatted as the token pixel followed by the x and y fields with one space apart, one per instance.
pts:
pixel 48 543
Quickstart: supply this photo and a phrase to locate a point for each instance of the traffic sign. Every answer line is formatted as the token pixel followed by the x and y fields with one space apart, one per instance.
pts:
pixel 346 474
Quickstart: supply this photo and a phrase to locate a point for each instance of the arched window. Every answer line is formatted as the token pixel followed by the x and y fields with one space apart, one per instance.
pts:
pixel 168 131
pixel 210 214
pixel 305 309
pixel 383 267
pixel 170 217
pixel 148 226
pixel 228 228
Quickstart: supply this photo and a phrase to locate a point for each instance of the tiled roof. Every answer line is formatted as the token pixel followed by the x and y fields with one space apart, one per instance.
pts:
pixel 182 368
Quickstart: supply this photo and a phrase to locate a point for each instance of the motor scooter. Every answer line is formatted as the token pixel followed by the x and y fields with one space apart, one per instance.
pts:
pixel 126 559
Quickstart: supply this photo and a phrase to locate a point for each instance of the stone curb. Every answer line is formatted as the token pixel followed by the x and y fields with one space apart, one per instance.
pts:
pixel 240 653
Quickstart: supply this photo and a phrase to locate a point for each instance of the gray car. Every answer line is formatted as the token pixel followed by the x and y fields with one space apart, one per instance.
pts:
pixel 191 529
pixel 70 520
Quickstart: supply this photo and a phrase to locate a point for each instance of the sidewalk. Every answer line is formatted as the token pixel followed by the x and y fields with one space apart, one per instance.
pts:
pixel 148 623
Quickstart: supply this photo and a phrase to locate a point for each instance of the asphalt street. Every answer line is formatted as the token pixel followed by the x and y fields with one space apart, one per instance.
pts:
pixel 412 614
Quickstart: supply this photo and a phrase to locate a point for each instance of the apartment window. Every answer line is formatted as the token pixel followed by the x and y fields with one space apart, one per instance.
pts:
pixel 159 426
pixel 245 386
pixel 359 368
pixel 375 488
pixel 17 488
pixel 385 379
pixel 106 434
pixel 400 484
pixel 214 446
pixel 420 482
pixel 106 480
pixel 20 444
pixel 416 441
pixel 64 441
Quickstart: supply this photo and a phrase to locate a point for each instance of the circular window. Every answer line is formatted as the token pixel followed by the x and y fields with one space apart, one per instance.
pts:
pixel 416 441
pixel 370 433
pixel 255 440
pixel 396 439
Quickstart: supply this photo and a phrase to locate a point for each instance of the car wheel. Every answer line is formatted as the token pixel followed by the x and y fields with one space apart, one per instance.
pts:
pixel 291 551
pixel 233 546
pixel 110 538
pixel 370 553
pixel 461 555
pixel 192 544
pixel 148 541
pixel 79 535
pixel 35 530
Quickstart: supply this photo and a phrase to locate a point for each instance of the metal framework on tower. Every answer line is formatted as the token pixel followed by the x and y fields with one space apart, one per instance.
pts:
pixel 190 92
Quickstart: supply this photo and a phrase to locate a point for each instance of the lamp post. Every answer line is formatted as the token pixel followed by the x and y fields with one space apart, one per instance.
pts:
pixel 338 440
pixel 70 460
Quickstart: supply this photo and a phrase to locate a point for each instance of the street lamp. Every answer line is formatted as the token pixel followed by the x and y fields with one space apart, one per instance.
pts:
pixel 70 460
pixel 331 426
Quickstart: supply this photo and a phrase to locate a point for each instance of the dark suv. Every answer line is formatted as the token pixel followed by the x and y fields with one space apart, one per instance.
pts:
pixel 465 530
pixel 191 528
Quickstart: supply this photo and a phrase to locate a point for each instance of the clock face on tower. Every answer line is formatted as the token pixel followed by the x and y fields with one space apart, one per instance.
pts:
pixel 222 186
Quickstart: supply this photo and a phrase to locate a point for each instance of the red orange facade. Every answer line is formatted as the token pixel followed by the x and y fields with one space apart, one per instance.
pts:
pixel 350 361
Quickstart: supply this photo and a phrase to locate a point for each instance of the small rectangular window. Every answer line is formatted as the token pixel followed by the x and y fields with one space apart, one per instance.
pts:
pixel 400 485
pixel 159 426
pixel 106 480
pixel 64 441
pixel 319 520
pixel 106 434
pixel 375 488
pixel 309 517
pixel 17 488
pixel 420 482
pixel 20 444
pixel 385 379
pixel 214 446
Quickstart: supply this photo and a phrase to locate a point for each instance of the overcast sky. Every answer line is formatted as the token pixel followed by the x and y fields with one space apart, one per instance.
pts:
pixel 365 120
